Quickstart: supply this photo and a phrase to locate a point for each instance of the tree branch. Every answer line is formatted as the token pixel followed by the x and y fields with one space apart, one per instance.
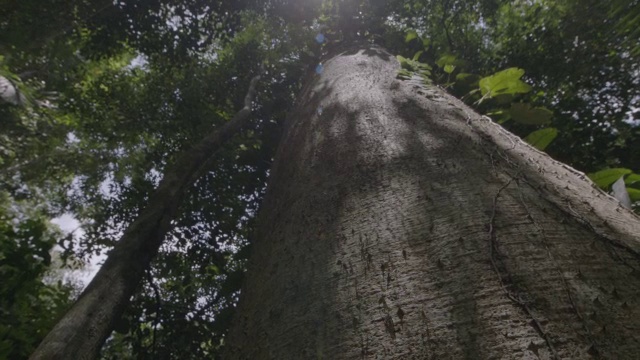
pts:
pixel 84 328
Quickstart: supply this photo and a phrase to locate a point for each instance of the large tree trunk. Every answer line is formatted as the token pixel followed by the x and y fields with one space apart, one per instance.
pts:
pixel 399 224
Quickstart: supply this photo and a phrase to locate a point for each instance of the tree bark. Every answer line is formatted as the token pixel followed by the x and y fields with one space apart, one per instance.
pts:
pixel 82 331
pixel 399 224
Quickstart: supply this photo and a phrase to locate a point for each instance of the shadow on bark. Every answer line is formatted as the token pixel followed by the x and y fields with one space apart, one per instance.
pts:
pixel 392 227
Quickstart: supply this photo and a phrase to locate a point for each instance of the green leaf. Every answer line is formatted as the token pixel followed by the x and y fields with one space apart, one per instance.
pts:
pixel 632 179
pixel 447 60
pixel 412 65
pixel 504 82
pixel 411 35
pixel 525 114
pixel 504 99
pixel 403 74
pixel 604 178
pixel 467 78
pixel 404 62
pixel 449 68
pixel 500 116
pixel 634 194
pixel 540 139
pixel 417 55
pixel 214 269
pixel 422 66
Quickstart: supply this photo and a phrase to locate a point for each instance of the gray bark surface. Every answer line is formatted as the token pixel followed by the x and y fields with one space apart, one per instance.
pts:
pixel 399 224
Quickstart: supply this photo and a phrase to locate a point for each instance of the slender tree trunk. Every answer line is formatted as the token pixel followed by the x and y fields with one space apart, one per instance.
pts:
pixel 399 224
pixel 82 331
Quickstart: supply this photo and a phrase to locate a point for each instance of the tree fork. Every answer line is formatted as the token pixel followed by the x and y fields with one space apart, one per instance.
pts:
pixel 400 224
pixel 82 331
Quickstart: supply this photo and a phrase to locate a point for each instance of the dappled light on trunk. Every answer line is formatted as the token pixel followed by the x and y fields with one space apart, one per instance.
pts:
pixel 400 224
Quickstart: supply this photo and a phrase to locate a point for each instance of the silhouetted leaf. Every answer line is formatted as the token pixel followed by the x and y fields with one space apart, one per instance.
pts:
pixel 525 114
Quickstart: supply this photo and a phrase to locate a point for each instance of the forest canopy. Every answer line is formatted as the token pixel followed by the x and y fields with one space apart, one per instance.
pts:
pixel 99 98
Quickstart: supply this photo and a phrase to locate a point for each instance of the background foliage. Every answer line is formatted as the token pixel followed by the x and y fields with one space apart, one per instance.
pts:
pixel 97 98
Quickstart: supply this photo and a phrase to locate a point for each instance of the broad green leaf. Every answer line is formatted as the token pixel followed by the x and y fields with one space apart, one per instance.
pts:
pixel 525 114
pixel 417 55
pixel 504 82
pixel 634 194
pixel 411 35
pixel 632 179
pixel 604 178
pixel 447 60
pixel 504 99
pixel 540 139
pixel 449 68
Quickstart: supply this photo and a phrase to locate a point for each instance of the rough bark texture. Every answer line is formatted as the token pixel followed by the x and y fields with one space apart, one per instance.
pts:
pixel 82 331
pixel 399 224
